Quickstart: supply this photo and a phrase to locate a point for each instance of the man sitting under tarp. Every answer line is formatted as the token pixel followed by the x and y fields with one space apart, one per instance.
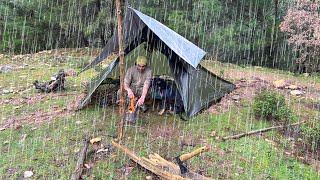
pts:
pixel 162 89
pixel 55 84
pixel 137 81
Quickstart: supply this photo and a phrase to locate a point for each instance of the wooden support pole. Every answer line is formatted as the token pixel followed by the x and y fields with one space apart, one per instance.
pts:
pixel 121 69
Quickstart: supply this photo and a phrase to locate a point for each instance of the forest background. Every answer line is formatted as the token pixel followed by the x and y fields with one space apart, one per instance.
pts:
pixel 245 32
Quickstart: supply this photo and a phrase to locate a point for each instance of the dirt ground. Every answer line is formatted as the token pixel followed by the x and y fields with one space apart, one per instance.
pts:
pixel 250 83
pixel 39 116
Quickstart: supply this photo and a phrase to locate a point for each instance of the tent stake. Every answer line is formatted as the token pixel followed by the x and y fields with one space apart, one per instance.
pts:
pixel 121 69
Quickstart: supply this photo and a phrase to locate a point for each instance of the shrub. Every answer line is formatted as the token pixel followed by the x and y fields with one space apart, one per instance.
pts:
pixel 271 105
pixel 311 132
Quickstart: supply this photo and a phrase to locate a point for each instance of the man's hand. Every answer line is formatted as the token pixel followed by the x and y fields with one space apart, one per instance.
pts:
pixel 130 93
pixel 141 101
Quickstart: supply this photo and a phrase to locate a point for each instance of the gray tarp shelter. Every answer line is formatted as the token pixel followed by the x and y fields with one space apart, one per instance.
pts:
pixel 198 87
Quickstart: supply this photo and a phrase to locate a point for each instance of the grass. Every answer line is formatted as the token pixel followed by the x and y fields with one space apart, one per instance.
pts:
pixel 220 69
pixel 50 149
pixel 260 160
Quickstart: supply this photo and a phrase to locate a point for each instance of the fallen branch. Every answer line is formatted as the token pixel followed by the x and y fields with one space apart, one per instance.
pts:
pixel 145 164
pixel 159 166
pixel 82 156
pixel 260 131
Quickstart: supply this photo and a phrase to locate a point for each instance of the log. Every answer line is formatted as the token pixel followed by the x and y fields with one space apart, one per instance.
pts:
pixel 238 136
pixel 159 166
pixel 82 156
pixel 147 165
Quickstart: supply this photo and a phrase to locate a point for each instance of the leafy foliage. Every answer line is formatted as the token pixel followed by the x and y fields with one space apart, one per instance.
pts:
pixel 302 25
pixel 271 105
pixel 311 132
pixel 30 26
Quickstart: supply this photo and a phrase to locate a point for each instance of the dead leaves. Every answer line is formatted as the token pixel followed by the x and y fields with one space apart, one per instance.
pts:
pixel 295 90
pixel 34 118
pixel 279 84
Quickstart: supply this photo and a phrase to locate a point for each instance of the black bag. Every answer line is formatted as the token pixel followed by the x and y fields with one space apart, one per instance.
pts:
pixel 166 91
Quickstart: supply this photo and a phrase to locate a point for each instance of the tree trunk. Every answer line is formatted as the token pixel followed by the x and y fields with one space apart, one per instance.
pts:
pixel 274 38
pixel 111 15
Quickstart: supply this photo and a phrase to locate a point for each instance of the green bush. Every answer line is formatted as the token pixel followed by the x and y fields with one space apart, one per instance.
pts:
pixel 271 105
pixel 311 132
